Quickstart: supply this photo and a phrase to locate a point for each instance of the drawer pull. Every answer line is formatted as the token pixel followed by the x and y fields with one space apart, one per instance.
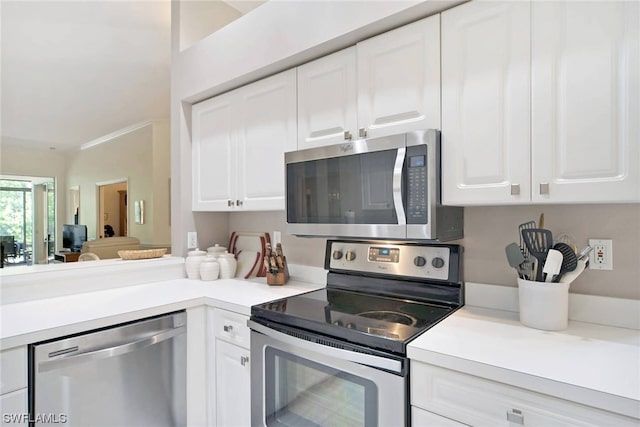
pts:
pixel 244 360
pixel 515 416
pixel 228 328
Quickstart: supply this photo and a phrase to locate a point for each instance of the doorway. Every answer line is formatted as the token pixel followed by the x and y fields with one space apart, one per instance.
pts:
pixel 28 225
pixel 112 209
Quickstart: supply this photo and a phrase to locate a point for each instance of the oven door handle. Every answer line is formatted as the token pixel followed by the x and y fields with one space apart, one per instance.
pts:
pixel 397 185
pixel 338 353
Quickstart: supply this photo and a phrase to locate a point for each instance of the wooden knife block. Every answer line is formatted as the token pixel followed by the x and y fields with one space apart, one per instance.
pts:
pixel 279 278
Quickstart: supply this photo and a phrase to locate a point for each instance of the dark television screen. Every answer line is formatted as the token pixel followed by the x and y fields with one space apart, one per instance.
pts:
pixel 73 236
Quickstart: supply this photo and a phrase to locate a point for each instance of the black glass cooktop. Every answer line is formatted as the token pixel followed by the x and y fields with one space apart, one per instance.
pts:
pixel 381 322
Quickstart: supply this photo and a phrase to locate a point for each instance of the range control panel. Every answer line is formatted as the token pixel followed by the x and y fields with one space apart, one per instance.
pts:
pixel 398 259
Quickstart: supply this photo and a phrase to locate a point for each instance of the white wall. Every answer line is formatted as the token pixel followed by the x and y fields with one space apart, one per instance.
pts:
pixel 201 18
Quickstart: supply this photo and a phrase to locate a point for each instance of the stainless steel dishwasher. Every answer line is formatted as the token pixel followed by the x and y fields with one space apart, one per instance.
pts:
pixel 133 374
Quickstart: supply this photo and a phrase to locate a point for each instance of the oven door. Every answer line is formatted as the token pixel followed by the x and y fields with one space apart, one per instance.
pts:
pixel 296 382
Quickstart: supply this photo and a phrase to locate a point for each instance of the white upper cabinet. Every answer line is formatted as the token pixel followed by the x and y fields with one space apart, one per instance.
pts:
pixel 485 103
pixel 561 127
pixel 214 152
pixel 267 129
pixel 238 145
pixel 399 80
pixel 327 100
pixel 585 101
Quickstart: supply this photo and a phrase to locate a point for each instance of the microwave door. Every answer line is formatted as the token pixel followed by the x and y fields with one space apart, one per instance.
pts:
pixel 357 195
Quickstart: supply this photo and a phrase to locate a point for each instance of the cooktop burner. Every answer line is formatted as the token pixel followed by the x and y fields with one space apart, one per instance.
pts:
pixel 390 316
pixel 418 287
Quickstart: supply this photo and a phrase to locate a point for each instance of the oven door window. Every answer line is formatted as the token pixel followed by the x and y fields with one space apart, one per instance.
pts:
pixel 300 392
pixel 355 189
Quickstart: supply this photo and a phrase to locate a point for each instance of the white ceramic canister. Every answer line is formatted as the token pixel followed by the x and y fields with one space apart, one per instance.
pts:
pixel 228 265
pixel 216 250
pixel 209 268
pixel 192 263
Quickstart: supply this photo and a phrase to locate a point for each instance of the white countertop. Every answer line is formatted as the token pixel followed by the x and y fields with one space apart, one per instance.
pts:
pixel 592 364
pixel 31 321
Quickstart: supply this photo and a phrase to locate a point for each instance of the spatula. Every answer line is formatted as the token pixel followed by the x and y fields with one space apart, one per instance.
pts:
pixel 515 258
pixel 538 241
pixel 552 264
pixel 569 260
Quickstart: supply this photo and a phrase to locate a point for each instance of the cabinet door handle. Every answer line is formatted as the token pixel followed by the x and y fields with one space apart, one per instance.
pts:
pixel 228 328
pixel 544 188
pixel 244 360
pixel 515 189
pixel 230 202
pixel 362 132
pixel 239 203
pixel 515 416
pixel 347 135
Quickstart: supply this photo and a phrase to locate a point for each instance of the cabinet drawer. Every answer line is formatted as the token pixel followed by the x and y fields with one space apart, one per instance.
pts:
pixel 422 418
pixel 13 369
pixel 480 402
pixel 231 327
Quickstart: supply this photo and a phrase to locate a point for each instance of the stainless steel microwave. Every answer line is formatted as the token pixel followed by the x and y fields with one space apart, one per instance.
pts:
pixel 379 188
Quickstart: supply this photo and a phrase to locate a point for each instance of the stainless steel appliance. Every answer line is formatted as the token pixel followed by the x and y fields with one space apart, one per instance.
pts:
pixel 130 375
pixel 381 188
pixel 337 356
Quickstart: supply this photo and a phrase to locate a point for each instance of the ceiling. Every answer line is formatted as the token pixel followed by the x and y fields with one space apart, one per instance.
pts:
pixel 75 71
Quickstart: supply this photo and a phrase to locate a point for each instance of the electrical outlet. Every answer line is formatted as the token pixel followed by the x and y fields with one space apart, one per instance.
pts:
pixel 192 240
pixel 277 237
pixel 601 257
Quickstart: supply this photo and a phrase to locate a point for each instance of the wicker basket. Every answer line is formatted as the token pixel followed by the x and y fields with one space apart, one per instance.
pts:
pixel 143 253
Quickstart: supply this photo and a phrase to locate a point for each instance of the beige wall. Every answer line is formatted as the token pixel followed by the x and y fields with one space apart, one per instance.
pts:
pixel 132 157
pixel 16 160
pixel 489 229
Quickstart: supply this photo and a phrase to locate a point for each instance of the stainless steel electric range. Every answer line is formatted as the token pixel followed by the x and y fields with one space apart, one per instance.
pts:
pixel 337 356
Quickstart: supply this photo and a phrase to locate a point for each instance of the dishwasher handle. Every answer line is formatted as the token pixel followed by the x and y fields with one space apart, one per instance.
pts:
pixel 105 353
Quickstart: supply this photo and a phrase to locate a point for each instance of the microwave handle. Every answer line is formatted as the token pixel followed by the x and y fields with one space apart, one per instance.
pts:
pixel 397 185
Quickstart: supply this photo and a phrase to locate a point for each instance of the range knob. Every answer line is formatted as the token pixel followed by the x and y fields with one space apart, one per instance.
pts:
pixel 437 262
pixel 351 326
pixel 350 255
pixel 337 254
pixel 337 322
pixel 419 261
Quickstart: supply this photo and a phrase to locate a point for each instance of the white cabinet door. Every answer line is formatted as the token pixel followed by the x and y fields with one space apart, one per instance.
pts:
pixel 13 407
pixel 486 103
pixel 585 101
pixel 233 385
pixel 214 153
pixel 327 100
pixel 267 129
pixel 399 79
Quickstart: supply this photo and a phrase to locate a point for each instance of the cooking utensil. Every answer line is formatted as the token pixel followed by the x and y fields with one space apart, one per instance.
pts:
pixel 583 263
pixel 541 221
pixel 552 264
pixel 585 252
pixel 569 260
pixel 515 258
pixel 527 266
pixel 538 241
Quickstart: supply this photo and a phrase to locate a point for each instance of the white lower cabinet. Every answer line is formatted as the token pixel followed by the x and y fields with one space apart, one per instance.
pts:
pixel 232 369
pixel 13 386
pixel 14 408
pixel 476 401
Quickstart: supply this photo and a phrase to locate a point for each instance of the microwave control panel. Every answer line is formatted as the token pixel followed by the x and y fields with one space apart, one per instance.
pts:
pixel 417 189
